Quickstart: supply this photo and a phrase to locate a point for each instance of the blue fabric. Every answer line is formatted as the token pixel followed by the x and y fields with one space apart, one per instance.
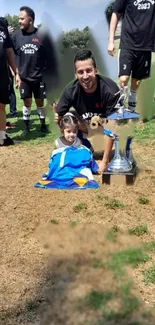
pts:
pixel 125 116
pixel 70 168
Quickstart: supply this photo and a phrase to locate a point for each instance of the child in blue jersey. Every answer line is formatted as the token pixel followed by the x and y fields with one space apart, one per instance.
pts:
pixel 69 126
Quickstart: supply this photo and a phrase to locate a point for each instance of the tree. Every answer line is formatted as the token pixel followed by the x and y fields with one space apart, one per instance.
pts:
pixel 108 11
pixel 12 20
pixel 76 38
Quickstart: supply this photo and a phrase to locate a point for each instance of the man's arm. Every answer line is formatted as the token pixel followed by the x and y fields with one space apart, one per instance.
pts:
pixel 12 64
pixel 113 25
pixel 118 10
pixel 111 98
pixel 63 106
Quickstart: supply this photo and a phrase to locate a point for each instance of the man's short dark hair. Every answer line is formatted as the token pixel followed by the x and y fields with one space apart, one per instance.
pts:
pixel 29 11
pixel 83 55
pixel 4 21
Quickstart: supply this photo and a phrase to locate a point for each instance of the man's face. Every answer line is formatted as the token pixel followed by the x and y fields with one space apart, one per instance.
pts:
pixel 86 75
pixel 25 21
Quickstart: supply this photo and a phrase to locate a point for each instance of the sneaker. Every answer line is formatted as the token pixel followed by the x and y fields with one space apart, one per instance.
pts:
pixel 25 133
pixel 131 106
pixel 44 129
pixel 13 115
pixel 10 125
pixel 7 142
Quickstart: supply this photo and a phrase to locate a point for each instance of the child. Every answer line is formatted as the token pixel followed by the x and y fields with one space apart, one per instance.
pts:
pixel 69 129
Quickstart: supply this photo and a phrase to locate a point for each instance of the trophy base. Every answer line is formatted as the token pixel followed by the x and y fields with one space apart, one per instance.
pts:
pixel 119 178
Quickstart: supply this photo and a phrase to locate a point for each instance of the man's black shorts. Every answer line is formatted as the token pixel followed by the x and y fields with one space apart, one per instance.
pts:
pixel 32 88
pixel 134 63
pixel 4 92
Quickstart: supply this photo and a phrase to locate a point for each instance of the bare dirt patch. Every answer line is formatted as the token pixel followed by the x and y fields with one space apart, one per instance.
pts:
pixel 42 280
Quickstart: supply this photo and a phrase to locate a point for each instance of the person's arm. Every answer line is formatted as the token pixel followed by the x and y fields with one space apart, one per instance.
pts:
pixel 63 106
pixel 12 63
pixel 118 10
pixel 111 98
pixel 113 25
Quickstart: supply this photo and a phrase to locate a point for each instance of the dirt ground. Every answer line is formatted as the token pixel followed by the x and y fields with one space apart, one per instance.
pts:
pixel 44 259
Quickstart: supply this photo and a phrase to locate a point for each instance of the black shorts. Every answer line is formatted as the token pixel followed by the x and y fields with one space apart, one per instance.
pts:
pixel 5 92
pixel 134 63
pixel 35 88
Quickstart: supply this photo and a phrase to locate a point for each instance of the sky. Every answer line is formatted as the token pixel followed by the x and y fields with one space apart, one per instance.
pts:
pixel 64 15
pixel 67 13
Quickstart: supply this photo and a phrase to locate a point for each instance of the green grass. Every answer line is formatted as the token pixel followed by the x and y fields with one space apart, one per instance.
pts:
pixel 35 137
pixel 149 275
pixel 143 200
pixel 150 246
pixel 54 222
pixel 112 234
pixel 131 256
pixel 114 204
pixel 97 299
pixel 80 207
pixel 138 230
pixel 97 263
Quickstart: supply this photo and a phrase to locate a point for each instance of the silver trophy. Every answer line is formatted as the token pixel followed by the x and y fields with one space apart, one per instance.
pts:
pixel 123 161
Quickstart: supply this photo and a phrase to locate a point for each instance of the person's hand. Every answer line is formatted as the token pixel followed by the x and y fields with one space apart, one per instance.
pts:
pixel 17 81
pixel 54 107
pixel 11 30
pixel 111 48
pixel 102 166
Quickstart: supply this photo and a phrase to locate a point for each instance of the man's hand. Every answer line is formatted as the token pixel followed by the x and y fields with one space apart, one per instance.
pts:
pixel 111 48
pixel 57 118
pixel 102 166
pixel 11 30
pixel 17 81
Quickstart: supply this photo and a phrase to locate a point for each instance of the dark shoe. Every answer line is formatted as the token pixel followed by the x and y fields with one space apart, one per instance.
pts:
pixel 10 125
pixel 44 129
pixel 13 115
pixel 25 133
pixel 7 142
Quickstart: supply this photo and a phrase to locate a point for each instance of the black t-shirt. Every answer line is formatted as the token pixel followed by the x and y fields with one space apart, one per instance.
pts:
pixel 102 102
pixel 30 54
pixel 138 24
pixel 5 42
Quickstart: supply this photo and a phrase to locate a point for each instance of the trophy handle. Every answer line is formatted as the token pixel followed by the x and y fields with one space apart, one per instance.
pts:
pixel 127 147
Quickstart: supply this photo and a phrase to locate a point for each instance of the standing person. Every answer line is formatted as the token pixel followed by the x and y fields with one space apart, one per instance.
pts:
pixel 91 95
pixel 6 58
pixel 136 44
pixel 31 60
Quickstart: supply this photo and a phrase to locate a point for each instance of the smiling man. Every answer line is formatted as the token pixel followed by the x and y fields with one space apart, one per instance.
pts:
pixel 90 95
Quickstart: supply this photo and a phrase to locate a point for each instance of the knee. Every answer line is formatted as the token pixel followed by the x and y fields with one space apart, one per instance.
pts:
pixel 124 80
pixel 27 103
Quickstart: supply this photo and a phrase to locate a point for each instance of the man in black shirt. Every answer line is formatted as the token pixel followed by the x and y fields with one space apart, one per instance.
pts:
pixel 136 44
pixel 6 58
pixel 91 95
pixel 31 56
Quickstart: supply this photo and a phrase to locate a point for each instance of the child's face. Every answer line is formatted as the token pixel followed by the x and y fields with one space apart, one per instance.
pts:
pixel 70 133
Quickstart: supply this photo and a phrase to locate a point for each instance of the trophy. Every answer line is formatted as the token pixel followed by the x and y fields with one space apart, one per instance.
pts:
pixel 123 162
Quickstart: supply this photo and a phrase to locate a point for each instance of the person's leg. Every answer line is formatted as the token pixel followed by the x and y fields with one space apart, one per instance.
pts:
pixel 13 109
pixel 124 66
pixel 140 70
pixel 40 95
pixel 26 96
